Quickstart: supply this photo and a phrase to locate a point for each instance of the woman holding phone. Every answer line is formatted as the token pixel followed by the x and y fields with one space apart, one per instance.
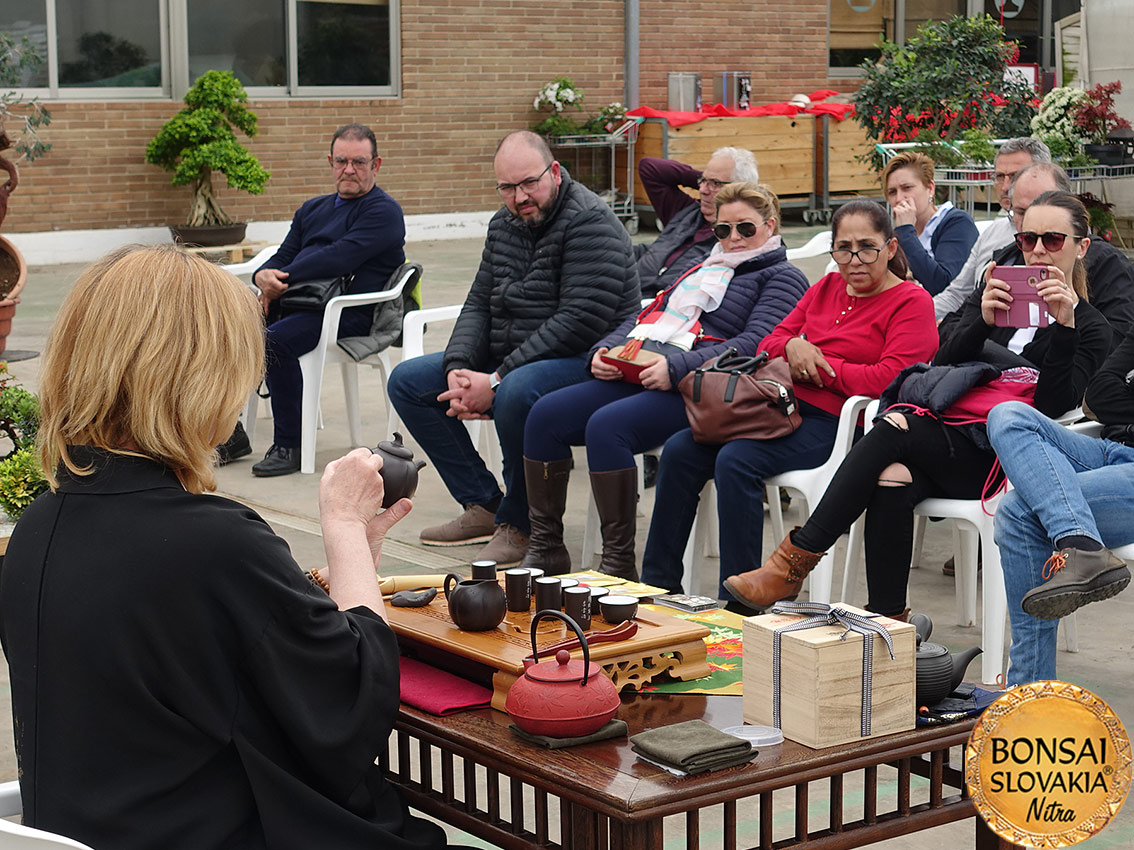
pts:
pixel 930 439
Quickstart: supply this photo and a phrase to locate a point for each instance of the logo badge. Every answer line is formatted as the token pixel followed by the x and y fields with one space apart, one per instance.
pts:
pixel 1048 765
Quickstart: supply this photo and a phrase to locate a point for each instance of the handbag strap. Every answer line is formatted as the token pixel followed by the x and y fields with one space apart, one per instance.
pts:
pixel 732 362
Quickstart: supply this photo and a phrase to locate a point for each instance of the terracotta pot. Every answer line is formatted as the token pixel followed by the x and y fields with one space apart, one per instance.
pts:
pixel 8 305
pixel 208 236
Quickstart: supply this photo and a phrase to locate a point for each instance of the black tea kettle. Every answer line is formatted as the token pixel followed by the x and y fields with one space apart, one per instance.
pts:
pixel 938 672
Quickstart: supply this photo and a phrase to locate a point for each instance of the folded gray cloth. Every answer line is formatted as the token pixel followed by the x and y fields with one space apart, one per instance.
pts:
pixel 613 729
pixel 693 746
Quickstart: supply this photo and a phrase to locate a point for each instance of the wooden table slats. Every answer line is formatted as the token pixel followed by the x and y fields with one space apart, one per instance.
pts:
pixel 600 796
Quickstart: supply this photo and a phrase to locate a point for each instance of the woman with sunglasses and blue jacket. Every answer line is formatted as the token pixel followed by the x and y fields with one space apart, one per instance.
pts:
pixel 733 298
pixel 933 441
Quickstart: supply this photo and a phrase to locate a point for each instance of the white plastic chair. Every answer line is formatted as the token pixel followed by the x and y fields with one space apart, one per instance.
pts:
pixel 327 351
pixel 818 245
pixel 810 483
pixel 481 431
pixel 14 836
pixel 249 266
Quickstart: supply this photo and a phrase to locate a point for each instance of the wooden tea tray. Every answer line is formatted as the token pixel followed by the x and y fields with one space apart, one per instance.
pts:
pixel 662 645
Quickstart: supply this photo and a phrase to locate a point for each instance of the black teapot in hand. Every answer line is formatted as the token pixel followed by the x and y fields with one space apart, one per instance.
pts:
pixel 938 672
pixel 399 470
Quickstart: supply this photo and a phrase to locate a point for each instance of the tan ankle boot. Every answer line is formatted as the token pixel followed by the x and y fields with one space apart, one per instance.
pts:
pixel 781 576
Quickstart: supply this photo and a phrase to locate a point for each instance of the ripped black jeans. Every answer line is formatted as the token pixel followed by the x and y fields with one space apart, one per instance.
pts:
pixel 943 462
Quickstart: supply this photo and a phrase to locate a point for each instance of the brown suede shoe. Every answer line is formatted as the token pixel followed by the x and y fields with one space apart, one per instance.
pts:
pixel 507 547
pixel 781 576
pixel 474 525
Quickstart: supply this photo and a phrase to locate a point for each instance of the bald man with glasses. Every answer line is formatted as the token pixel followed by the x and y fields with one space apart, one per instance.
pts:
pixel 557 274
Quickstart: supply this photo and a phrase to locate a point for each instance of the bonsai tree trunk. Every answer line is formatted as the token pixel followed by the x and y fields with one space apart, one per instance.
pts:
pixel 13 175
pixel 205 209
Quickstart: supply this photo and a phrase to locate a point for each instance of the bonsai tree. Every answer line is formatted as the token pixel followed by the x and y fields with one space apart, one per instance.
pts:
pixel 16 60
pixel 200 140
pixel 21 478
pixel 948 78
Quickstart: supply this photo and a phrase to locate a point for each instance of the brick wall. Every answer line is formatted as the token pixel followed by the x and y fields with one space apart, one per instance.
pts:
pixel 470 69
pixel 781 43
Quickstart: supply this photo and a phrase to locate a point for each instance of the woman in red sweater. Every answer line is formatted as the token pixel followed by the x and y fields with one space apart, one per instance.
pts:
pixel 850 334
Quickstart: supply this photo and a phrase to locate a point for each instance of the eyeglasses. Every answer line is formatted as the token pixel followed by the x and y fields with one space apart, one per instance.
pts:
pixel 746 229
pixel 359 162
pixel 714 185
pixel 1052 240
pixel 508 189
pixel 866 256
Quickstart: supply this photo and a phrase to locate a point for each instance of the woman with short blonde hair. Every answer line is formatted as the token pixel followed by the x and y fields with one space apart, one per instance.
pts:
pixel 936 238
pixel 169 633
pixel 125 373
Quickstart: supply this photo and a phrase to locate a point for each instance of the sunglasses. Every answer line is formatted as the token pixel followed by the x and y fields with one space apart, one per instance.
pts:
pixel 1052 240
pixel 747 229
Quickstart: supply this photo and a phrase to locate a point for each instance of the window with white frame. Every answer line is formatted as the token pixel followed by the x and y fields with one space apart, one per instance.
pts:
pixel 126 48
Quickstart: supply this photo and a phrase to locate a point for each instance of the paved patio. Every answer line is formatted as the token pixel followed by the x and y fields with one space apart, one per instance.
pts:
pixel 289 504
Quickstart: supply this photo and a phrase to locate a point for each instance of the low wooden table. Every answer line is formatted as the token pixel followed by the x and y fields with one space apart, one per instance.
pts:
pixel 471 771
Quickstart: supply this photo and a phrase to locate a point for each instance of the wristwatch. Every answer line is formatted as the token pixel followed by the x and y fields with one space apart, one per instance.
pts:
pixel 493 381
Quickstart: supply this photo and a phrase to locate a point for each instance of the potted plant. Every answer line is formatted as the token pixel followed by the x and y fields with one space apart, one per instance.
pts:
pixel 1075 125
pixel 948 78
pixel 1096 119
pixel 16 60
pixel 559 96
pixel 200 140
pixel 21 478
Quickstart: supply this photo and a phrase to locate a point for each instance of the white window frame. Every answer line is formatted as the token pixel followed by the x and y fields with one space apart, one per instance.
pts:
pixel 173 21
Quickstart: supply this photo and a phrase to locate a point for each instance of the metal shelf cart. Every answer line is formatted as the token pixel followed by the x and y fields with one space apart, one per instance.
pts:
pixel 593 160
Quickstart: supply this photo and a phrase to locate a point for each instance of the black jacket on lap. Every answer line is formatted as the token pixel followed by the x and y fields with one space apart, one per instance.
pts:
pixel 1067 358
pixel 548 291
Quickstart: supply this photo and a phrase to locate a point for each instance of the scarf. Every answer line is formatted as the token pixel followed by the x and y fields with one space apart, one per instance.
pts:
pixel 701 290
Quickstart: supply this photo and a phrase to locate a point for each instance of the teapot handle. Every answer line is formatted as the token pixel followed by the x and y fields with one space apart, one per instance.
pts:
pixel 454 578
pixel 550 612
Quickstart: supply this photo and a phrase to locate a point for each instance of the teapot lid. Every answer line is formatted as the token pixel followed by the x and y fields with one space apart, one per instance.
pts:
pixel 395 448
pixel 563 669
pixel 927 650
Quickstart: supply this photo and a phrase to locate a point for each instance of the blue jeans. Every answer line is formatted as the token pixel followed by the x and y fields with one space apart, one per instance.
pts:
pixel 614 419
pixel 1065 484
pixel 414 386
pixel 739 468
pixel 285 341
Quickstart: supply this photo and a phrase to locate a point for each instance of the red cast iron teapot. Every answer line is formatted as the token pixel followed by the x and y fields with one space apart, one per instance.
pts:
pixel 564 698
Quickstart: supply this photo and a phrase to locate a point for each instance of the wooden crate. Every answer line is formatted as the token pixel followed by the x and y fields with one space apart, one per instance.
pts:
pixel 821 680
pixel 846 173
pixel 784 147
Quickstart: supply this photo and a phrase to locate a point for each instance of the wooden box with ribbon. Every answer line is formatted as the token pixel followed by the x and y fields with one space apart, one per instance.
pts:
pixel 828 674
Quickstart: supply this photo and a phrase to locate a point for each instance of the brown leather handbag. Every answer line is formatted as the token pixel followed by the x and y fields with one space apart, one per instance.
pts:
pixel 740 398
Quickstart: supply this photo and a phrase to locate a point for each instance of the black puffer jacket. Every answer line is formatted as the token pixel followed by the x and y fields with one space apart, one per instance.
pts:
pixel 549 291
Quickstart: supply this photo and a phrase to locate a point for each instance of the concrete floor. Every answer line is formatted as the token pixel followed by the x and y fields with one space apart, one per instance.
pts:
pixel 290 505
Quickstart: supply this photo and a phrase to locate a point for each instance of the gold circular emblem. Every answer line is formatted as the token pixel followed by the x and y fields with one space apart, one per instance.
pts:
pixel 1048 765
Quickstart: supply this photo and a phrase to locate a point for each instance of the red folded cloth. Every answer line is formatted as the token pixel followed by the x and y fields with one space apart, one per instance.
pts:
pixel 439 692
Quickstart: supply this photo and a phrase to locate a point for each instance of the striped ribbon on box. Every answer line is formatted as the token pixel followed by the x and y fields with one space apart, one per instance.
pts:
pixel 823 614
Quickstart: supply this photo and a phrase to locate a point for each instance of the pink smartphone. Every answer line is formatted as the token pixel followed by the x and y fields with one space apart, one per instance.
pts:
pixel 1028 309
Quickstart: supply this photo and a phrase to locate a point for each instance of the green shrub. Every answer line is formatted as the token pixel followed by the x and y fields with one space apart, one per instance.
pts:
pixel 21 480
